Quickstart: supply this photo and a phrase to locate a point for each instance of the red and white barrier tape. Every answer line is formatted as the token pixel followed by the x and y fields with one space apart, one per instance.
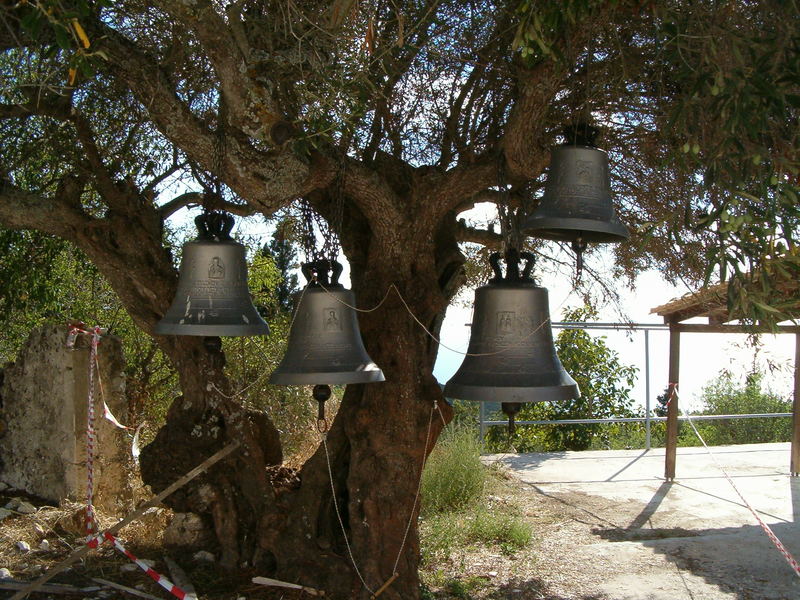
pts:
pixel 91 436
pixel 152 573
pixel 767 529
pixel 93 538
pixel 173 589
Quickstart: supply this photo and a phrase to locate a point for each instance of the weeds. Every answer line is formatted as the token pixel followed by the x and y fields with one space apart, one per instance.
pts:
pixel 456 508
pixel 454 477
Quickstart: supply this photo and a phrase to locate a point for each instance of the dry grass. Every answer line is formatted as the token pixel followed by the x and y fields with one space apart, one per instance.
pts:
pixel 542 570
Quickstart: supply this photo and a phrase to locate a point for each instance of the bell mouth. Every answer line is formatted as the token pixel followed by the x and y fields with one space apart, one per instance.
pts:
pixel 369 373
pixel 495 393
pixel 221 330
pixel 567 230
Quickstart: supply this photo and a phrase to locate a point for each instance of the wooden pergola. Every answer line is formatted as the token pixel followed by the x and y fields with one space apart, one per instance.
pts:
pixel 711 304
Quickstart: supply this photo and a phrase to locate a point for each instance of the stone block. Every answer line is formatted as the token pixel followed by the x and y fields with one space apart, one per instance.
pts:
pixel 44 406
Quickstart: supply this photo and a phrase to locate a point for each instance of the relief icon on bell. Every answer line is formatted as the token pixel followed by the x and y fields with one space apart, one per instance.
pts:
pixel 216 270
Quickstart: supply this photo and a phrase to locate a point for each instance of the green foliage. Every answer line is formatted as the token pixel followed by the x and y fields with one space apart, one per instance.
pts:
pixel 543 25
pixel 605 384
pixel 742 66
pixel 454 477
pixel 725 396
pixel 284 254
pixel 29 264
pixel 456 510
pixel 662 402
pixel 464 587
pixel 721 396
pixel 61 29
pixel 59 284
pixel 504 529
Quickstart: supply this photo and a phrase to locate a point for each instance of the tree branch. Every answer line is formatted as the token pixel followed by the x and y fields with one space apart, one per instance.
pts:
pixel 106 185
pixel 524 143
pixel 23 210
pixel 251 107
pixel 168 209
pixel 267 180
pixel 458 185
pixel 373 197
pixel 492 196
pixel 484 237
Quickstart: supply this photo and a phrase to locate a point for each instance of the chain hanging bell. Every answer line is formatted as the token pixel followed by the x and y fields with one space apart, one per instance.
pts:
pixel 212 297
pixel 511 357
pixel 325 345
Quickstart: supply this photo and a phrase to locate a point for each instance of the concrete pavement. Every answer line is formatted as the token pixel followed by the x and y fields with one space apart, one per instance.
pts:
pixel 691 538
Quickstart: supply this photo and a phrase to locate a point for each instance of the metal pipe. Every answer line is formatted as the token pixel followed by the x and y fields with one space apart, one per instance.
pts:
pixel 647 387
pixel 640 419
pixel 630 326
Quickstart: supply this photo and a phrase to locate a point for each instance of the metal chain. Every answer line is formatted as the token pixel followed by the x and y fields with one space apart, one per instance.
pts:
pixel 219 149
pixel 338 212
pixel 308 235
pixel 313 222
pixel 509 218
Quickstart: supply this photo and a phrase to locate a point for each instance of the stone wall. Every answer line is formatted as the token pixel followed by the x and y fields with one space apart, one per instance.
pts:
pixel 44 402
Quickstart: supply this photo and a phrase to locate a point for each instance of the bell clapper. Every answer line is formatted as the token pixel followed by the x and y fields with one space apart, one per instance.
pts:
pixel 321 393
pixel 511 409
pixel 579 246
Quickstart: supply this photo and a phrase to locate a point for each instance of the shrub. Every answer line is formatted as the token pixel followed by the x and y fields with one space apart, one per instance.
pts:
pixel 454 476
pixel 454 502
pixel 507 530
pixel 724 396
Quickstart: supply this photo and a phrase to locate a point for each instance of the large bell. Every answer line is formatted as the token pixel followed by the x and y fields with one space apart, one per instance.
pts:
pixel 576 206
pixel 325 344
pixel 511 357
pixel 212 298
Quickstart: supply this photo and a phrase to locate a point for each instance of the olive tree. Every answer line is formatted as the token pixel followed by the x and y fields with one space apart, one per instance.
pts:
pixel 390 119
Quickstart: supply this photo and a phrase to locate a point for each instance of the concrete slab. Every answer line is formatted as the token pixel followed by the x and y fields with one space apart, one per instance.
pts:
pixel 691 538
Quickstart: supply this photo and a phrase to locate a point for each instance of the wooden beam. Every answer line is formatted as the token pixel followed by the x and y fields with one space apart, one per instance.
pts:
pixel 718 317
pixel 672 408
pixel 703 328
pixel 795 459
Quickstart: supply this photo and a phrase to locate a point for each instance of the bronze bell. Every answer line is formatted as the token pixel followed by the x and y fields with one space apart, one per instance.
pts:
pixel 576 206
pixel 511 357
pixel 212 298
pixel 325 344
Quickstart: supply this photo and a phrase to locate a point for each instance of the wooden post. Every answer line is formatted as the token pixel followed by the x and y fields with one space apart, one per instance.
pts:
pixel 795 460
pixel 672 409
